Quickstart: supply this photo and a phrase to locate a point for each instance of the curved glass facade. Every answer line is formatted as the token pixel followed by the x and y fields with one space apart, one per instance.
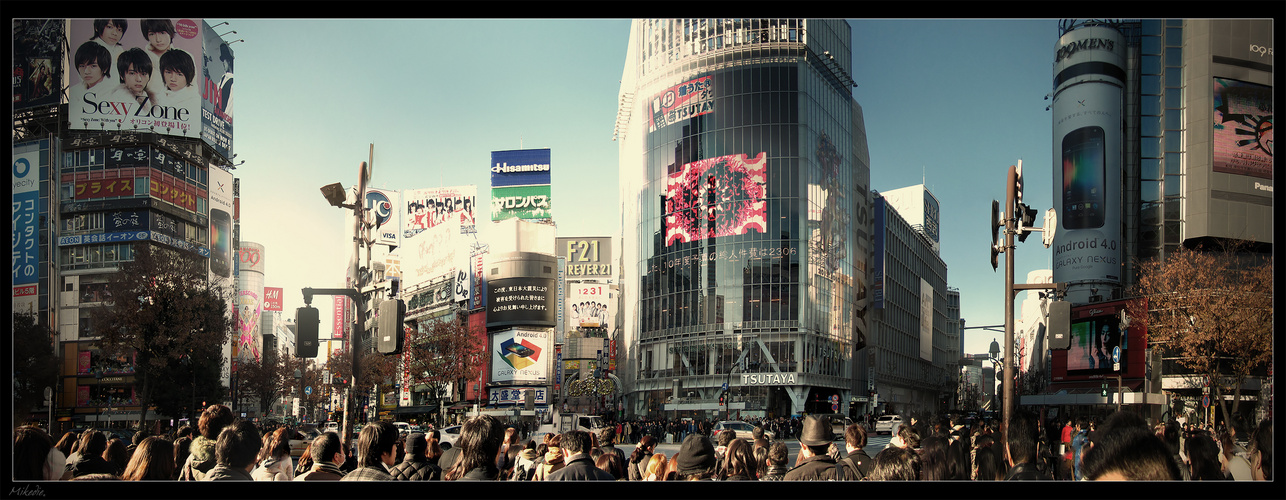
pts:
pixel 741 256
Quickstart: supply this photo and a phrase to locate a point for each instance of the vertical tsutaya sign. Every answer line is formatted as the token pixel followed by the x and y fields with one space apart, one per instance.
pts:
pixel 877 270
pixel 523 202
pixel 926 321
pixel 715 197
pixel 381 202
pixel 1243 128
pixel 26 231
pixel 520 167
pixel 216 92
pixel 1087 153
pixel 686 100
pixel 427 208
pixel 586 257
pixel 126 79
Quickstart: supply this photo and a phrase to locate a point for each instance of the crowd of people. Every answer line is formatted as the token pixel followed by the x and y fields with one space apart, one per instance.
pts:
pixel 1121 446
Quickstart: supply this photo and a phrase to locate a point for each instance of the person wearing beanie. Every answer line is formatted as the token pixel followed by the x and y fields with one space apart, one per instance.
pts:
pixel 696 458
pixel 415 466
pixel 816 465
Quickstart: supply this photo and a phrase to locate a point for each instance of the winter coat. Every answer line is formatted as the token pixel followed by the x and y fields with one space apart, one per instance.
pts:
pixel 526 461
pixel 415 468
pixel 200 460
pixel 581 468
pixel 83 464
pixel 1025 471
pixel 775 473
pixel 325 471
pixel 485 473
pixel 224 473
pixel 553 462
pixel 274 469
pixel 814 468
pixel 862 462
pixel 637 469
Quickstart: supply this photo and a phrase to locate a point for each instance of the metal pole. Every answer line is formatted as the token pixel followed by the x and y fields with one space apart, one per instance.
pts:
pixel 355 342
pixel 1008 382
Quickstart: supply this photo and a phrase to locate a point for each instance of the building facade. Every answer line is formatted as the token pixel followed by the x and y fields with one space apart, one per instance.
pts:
pixel 744 178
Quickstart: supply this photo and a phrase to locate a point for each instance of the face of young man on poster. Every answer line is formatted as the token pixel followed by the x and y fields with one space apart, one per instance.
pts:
pixel 112 33
pixel 175 80
pixel 90 73
pixel 136 80
pixel 158 41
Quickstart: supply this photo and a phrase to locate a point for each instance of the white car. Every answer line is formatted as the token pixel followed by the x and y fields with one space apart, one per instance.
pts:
pixel 744 430
pixel 888 424
pixel 403 428
pixel 449 434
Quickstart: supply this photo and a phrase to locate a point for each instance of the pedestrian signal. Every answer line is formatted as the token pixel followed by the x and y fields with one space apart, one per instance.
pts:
pixel 306 324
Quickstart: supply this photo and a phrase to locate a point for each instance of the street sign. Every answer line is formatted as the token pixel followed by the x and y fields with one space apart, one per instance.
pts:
pixel 1116 354
pixel 725 386
pixel 1205 400
pixel 835 407
pixel 308 390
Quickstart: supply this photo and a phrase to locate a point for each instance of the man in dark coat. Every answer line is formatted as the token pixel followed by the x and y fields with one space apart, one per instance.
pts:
pixel 607 443
pixel 89 457
pixel 1022 450
pixel 815 437
pixel 235 452
pixel 580 466
pixel 857 465
pixel 414 466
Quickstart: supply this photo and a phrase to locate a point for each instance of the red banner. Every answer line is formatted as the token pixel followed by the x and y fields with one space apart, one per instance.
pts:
pixel 104 188
pixel 338 301
pixel 272 299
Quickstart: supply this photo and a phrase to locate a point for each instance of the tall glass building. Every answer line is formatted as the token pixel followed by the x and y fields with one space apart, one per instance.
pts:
pixel 745 217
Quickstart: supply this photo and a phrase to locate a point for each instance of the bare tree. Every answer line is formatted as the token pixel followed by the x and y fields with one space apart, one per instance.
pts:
pixel 35 366
pixel 443 352
pixel 1213 311
pixel 164 309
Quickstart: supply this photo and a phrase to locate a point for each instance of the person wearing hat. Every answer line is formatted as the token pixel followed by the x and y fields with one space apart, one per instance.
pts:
pixel 415 466
pixel 696 458
pixel 816 465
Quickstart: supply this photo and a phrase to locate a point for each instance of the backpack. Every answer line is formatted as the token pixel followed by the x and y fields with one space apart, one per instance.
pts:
pixel 523 473
pixel 839 470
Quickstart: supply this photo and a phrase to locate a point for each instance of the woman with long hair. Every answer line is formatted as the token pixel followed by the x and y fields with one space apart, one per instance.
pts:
pixel 639 459
pixel 479 442
pixel 1203 457
pixel 182 447
pixel 305 463
pixel 153 460
pixel 655 469
pixel 274 458
pixel 117 455
pixel 672 469
pixel 34 455
pixel 738 462
pixel 611 464
pixel 433 450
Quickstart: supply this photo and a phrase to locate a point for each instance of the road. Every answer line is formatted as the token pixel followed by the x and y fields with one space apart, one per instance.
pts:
pixel 874 443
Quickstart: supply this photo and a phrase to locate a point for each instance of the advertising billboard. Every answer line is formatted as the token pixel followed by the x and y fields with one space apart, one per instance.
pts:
pixel 877 270
pixel 589 305
pixel 216 92
pixel 926 321
pixel 1243 128
pixel 339 304
pixel 126 79
pixel 680 102
pixel 516 355
pixel 521 301
pixel 221 210
pixel 272 299
pixel 1087 158
pixel 427 208
pixel 586 257
pixel 523 202
pixel 715 197
pixel 381 203
pixel 26 230
pixel 37 61
pixel 1099 347
pixel 506 396
pixel 520 167
pixel 432 253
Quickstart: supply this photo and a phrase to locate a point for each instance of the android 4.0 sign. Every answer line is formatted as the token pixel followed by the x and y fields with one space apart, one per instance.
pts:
pixel 519 354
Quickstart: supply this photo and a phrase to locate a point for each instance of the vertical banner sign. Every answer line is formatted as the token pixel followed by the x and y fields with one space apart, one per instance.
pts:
pixel 926 321
pixel 461 283
pixel 26 249
pixel 1087 160
pixel 338 309
pixel 477 288
pixel 560 304
pixel 216 92
pixel 877 270
pixel 381 202
pixel 558 368
pixel 272 299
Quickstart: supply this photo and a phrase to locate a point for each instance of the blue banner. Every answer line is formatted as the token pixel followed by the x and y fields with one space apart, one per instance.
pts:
pixel 519 167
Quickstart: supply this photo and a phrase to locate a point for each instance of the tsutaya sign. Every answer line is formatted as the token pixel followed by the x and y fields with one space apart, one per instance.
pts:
pixel 769 378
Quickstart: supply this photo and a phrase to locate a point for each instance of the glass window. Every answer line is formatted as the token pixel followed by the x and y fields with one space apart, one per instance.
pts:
pixel 1150 191
pixel 1174 142
pixel 1151 45
pixel 1150 168
pixel 1174 120
pixel 1174 77
pixel 1174 98
pixel 1172 231
pixel 1151 66
pixel 1151 105
pixel 1150 147
pixel 1174 56
pixel 1174 37
pixel 1151 81
pixel 1150 125
pixel 1172 209
pixel 1173 185
pixel 1173 164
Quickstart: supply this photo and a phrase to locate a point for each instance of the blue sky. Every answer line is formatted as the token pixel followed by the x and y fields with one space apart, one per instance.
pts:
pixel 948 103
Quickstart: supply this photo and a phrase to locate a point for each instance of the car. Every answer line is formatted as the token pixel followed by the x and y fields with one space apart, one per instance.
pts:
pixel 403 428
pixel 300 439
pixel 416 429
pixel 332 427
pixel 449 434
pixel 744 430
pixel 888 424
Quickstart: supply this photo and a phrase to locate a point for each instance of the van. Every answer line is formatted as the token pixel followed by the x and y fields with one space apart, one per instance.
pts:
pixel 403 428
pixel 579 421
pixel 332 427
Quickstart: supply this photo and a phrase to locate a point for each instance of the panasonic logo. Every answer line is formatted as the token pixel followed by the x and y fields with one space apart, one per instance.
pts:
pixel 1090 44
pixel 505 168
pixel 1263 187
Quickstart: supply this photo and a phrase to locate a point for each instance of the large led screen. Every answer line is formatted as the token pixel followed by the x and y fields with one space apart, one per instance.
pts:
pixel 1092 343
pixel 715 197
pixel 1243 128
pixel 686 100
pixel 588 305
pixel 430 207
pixel 518 355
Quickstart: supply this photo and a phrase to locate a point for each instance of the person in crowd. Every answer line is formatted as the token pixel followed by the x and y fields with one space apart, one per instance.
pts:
pixel 327 454
pixel 35 458
pixel 896 464
pixel 611 463
pixel 526 463
pixel 958 457
pixel 117 455
pixel 1233 465
pixel 987 464
pixel 1123 448
pixel 553 457
pixel 1022 450
pixel 639 459
pixel 672 469
pixel 1174 441
pixel 1203 457
pixel 137 438
pixel 274 458
pixel 579 463
pixel 775 462
pixel 934 465
pixel 89 455
pixel 67 443
pixel 722 440
pixel 857 463
pixel 815 437
pixel 761 461
pixel 607 443
pixel 415 466
pixel 235 452
pixel 375 452
pixel 655 468
pixel 1260 452
pixel 758 434
pixel 97 477
pixel 153 460
pixel 479 443
pixel 182 448
pixel 202 456
pixel 696 459
pixel 305 462
pixel 738 462
pixel 433 450
pixel 1067 454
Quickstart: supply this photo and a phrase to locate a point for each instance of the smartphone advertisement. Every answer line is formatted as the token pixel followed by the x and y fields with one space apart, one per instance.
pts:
pixel 1087 162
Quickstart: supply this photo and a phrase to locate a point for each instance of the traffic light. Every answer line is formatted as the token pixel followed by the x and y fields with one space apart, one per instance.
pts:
pixel 1060 318
pixel 1103 390
pixel 722 395
pixel 306 324
pixel 996 247
pixel 1018 185
pixel 1026 220
pixel 389 333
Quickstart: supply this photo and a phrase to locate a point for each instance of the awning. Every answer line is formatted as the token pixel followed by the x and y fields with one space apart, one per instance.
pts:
pixel 402 410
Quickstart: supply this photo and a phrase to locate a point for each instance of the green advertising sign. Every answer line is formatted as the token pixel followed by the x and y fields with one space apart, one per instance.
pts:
pixel 523 202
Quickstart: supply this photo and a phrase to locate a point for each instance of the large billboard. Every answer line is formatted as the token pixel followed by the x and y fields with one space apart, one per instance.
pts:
pixel 216 92
pixel 1087 158
pixel 686 100
pixel 518 355
pixel 37 61
pixel 221 211
pixel 720 196
pixel 432 253
pixel 1099 348
pixel 1243 128
pixel 26 230
pixel 519 167
pixel 523 202
pixel 589 257
pixel 427 208
pixel 590 305
pixel 521 301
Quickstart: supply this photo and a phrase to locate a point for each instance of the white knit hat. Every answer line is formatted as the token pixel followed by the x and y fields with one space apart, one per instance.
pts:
pixel 55 465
